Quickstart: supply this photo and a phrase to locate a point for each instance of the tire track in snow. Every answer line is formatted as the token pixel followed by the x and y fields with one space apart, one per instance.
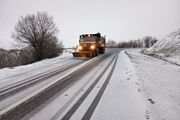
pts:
pixel 95 102
pixel 68 115
pixel 24 84
pixel 63 60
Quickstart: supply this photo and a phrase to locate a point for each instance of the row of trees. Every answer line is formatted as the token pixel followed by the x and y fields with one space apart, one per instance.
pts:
pixel 145 42
pixel 37 36
pixel 15 57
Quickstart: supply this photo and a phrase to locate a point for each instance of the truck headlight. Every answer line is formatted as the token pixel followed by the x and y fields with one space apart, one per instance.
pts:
pixel 92 47
pixel 80 47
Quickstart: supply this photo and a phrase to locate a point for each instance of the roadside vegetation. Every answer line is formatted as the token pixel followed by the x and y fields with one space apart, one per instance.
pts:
pixel 145 42
pixel 167 49
pixel 36 36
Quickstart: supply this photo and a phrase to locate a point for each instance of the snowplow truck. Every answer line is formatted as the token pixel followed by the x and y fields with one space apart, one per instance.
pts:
pixel 90 45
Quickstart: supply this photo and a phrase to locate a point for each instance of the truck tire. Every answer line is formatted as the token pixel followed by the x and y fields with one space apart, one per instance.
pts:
pixel 96 52
pixel 102 50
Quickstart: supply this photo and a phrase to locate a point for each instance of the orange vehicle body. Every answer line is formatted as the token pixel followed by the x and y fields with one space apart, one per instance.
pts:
pixel 90 45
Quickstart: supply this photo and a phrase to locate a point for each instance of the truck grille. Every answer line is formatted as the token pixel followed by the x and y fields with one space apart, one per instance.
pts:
pixel 86 47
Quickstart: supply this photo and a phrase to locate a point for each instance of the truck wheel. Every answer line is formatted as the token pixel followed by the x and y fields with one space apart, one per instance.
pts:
pixel 93 54
pixel 96 52
pixel 102 50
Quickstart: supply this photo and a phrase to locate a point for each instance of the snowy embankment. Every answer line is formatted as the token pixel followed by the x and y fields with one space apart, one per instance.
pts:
pixel 159 83
pixel 7 72
pixel 167 49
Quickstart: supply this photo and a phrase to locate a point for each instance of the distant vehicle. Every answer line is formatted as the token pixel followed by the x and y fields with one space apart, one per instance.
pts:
pixel 90 45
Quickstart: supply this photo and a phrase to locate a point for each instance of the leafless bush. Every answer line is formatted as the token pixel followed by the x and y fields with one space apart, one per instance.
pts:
pixel 149 41
pixel 26 56
pixel 9 58
pixel 145 42
pixel 52 48
pixel 111 44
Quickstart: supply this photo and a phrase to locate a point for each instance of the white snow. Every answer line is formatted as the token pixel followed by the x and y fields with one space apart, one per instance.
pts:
pixel 42 88
pixel 121 99
pixel 29 90
pixel 159 82
pixel 141 88
pixel 67 98
pixel 8 72
pixel 167 48
pixel 87 102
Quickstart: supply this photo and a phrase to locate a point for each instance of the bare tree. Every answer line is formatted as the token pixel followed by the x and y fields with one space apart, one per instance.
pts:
pixel 111 43
pixel 39 32
pixel 147 41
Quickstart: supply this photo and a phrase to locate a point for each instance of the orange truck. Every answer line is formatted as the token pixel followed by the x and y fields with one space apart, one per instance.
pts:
pixel 90 45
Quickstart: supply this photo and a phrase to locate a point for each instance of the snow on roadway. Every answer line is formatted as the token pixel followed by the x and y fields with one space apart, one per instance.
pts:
pixel 67 98
pixel 141 88
pixel 121 99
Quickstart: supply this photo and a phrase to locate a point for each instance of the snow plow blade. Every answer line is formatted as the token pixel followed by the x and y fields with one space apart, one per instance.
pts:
pixel 76 54
pixel 82 54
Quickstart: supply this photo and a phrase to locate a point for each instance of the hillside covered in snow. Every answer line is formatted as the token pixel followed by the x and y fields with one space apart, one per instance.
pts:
pixel 167 48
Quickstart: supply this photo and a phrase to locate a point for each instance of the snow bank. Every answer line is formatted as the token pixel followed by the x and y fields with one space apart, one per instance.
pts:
pixel 168 48
pixel 5 72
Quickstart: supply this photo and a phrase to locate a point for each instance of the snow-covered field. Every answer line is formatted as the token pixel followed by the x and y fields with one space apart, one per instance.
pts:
pixel 167 48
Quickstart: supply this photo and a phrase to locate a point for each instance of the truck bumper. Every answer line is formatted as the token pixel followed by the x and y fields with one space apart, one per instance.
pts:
pixel 87 54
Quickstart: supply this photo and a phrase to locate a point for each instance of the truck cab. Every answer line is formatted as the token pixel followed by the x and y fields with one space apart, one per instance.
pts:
pixel 90 45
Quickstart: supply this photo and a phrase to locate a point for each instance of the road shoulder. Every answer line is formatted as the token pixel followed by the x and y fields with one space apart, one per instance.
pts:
pixel 160 85
pixel 122 98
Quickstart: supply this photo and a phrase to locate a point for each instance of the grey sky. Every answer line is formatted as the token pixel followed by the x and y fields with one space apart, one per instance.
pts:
pixel 119 20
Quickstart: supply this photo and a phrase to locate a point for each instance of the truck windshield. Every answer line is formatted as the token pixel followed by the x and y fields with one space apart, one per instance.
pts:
pixel 87 39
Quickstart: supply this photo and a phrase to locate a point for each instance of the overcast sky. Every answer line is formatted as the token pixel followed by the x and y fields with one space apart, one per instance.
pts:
pixel 119 20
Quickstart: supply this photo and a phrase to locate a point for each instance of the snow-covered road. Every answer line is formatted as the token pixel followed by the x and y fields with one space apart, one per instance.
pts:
pixel 120 85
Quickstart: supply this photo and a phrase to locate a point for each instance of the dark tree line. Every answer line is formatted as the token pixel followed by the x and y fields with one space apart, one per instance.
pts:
pixel 145 42
pixel 15 57
pixel 111 44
